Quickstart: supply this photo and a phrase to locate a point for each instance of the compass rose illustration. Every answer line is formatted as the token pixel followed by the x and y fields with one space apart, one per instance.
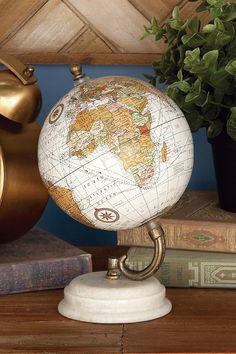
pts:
pixel 106 215
pixel 56 113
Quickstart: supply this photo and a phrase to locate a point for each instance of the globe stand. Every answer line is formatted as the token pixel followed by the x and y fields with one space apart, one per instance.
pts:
pixel 135 147
pixel 113 297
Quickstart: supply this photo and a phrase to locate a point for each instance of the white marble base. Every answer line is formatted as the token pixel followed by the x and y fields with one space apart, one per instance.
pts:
pixel 93 298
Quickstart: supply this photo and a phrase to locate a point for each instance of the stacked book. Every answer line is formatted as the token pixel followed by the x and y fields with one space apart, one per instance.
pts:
pixel 201 244
pixel 39 261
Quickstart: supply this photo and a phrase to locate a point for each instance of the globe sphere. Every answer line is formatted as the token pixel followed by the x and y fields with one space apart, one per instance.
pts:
pixel 115 152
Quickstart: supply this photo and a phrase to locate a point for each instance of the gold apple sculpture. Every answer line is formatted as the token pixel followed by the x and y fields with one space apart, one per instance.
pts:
pixel 22 193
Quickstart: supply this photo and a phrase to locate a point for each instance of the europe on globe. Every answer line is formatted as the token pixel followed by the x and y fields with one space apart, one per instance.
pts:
pixel 115 152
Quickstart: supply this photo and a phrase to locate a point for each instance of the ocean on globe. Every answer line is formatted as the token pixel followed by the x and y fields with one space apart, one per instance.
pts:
pixel 115 152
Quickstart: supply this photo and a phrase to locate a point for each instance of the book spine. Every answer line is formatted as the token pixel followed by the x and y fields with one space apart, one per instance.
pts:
pixel 190 269
pixel 190 235
pixel 41 275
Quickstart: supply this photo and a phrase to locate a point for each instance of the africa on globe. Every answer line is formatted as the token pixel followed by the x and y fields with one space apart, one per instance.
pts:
pixel 115 152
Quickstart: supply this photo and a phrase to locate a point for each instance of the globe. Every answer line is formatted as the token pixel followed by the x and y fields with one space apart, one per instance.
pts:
pixel 115 152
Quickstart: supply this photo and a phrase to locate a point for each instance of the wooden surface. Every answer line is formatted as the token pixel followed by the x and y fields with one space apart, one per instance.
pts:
pixel 85 31
pixel 202 321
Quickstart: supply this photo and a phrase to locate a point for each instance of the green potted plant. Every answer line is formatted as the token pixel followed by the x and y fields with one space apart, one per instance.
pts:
pixel 199 70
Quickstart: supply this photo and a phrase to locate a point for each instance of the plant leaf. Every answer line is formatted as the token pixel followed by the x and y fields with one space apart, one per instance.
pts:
pixel 231 67
pixel 193 41
pixel 180 75
pixel 175 24
pixel 202 99
pixel 209 28
pixel 233 112
pixel 197 86
pixel 154 22
pixel 191 97
pixel 192 56
pixel 195 120
pixel 231 124
pixel 217 79
pixel 181 85
pixel 229 12
pixel 215 128
pixel 194 25
pixel 175 13
pixel 216 3
pixel 201 7
pixel 219 24
pixel 210 58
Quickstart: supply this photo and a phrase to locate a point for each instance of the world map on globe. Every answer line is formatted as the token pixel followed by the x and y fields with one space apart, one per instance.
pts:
pixel 115 152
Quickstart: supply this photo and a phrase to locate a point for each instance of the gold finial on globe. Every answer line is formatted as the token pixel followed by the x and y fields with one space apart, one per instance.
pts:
pixel 76 71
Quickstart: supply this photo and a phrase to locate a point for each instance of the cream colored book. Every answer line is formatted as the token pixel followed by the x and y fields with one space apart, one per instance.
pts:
pixel 196 222
pixel 189 268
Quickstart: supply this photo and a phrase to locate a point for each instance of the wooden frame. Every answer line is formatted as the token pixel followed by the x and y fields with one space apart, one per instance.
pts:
pixel 85 31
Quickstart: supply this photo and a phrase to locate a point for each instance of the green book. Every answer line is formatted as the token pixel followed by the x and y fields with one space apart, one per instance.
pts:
pixel 182 268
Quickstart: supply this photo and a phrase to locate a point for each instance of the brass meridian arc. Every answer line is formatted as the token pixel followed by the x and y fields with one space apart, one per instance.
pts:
pixel 157 235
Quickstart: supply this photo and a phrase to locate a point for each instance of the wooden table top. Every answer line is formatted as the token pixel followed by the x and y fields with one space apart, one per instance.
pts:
pixel 202 321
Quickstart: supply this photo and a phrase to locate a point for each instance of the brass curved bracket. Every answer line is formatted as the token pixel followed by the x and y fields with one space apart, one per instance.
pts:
pixel 157 235
pixel 24 73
